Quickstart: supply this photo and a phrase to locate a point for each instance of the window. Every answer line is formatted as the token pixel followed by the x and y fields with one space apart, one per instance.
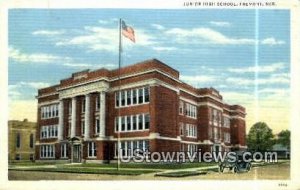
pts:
pixel 18 140
pixel 92 151
pixel 147 97
pixel 18 157
pixel 116 123
pixel 191 130
pixel 117 99
pixel 123 98
pixel 97 103
pixel 181 129
pixel 123 123
pixel 63 150
pixel 49 111
pixel 31 141
pixel 215 117
pixel 191 110
pixel 129 97
pixel 82 127
pixel 128 123
pixel 69 129
pixel 49 131
pixel 134 96
pixel 141 92
pixel 215 133
pixel 140 122
pixel 47 151
pixel 192 148
pixel 97 125
pixel 83 106
pixel 226 122
pixel 147 121
pixel 181 107
pixel 133 122
pixel 70 108
pixel 127 147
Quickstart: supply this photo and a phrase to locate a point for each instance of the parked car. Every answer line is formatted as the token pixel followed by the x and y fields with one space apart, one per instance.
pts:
pixel 235 165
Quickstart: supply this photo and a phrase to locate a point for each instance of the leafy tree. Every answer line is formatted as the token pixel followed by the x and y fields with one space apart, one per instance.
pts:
pixel 260 137
pixel 284 138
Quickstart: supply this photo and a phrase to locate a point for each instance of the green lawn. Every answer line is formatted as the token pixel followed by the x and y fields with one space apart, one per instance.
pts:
pixel 89 171
pixel 147 165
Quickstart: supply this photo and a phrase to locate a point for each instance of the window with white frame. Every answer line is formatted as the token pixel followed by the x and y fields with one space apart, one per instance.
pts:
pixel 83 105
pixel 226 122
pixel 82 127
pixel 49 111
pixel 47 151
pixel 70 108
pixel 215 117
pixel 191 130
pixel 132 97
pixel 49 131
pixel 132 122
pixel 97 125
pixel 127 147
pixel 181 107
pixel 98 103
pixel 226 137
pixel 92 149
pixel 192 148
pixel 190 110
pixel 216 135
pixel 64 150
pixel 181 129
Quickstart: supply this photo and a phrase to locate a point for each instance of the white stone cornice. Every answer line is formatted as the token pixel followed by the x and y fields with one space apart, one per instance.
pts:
pixel 83 89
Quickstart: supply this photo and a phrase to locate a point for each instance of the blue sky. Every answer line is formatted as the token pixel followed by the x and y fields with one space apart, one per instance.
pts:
pixel 245 54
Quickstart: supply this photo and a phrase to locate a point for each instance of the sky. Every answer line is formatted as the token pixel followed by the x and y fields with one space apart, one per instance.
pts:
pixel 245 54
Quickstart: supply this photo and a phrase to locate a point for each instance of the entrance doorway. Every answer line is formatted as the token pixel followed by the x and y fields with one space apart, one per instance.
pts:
pixel 77 153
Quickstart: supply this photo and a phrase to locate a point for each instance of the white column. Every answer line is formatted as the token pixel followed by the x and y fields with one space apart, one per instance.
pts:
pixel 73 118
pixel 87 117
pixel 102 114
pixel 61 120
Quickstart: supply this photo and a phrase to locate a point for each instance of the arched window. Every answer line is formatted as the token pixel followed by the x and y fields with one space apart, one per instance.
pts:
pixel 18 143
pixel 31 141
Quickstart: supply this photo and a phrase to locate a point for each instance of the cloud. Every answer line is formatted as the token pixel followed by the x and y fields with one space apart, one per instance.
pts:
pixel 15 91
pixel 106 39
pixel 206 36
pixel 48 32
pixel 164 48
pixel 261 68
pixel 158 26
pixel 272 41
pixel 220 24
pixel 196 80
pixel 17 55
pixel 260 81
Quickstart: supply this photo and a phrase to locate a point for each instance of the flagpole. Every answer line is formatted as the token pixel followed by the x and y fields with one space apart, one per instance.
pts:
pixel 119 79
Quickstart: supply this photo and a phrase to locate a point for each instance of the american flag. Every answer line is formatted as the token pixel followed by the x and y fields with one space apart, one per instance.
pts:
pixel 128 31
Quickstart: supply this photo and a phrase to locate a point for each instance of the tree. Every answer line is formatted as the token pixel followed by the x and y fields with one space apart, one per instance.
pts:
pixel 284 138
pixel 260 137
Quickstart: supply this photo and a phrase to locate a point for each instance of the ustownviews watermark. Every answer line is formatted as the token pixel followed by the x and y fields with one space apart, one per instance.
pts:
pixel 139 156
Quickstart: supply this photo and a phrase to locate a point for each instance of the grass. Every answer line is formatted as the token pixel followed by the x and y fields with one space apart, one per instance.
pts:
pixel 162 166
pixel 89 171
pixel 181 174
pixel 31 163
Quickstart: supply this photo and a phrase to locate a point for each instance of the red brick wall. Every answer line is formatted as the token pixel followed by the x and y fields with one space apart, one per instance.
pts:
pixel 167 104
